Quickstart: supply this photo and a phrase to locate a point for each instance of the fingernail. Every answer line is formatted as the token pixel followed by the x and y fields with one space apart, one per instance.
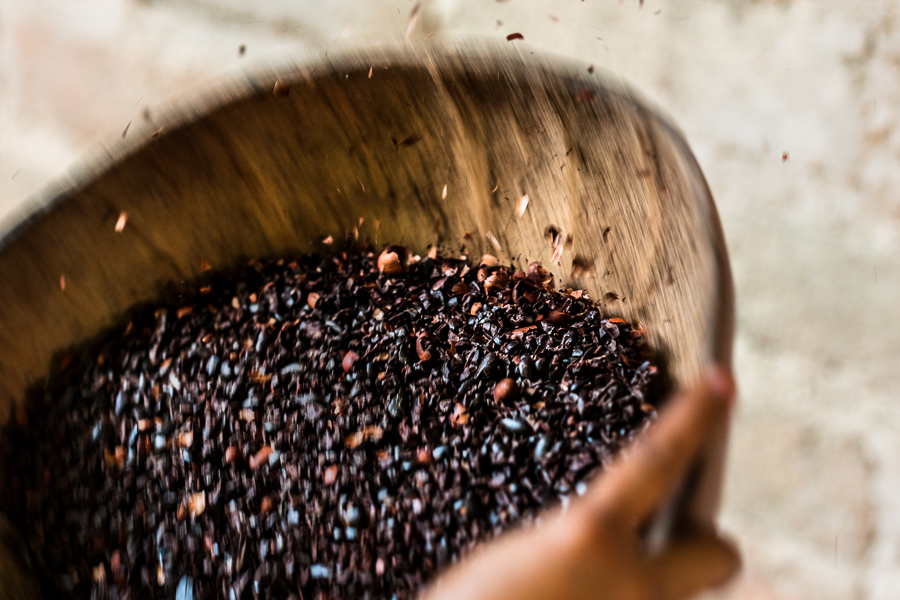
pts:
pixel 720 383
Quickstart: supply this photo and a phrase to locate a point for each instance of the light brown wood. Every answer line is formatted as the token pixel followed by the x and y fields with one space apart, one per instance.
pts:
pixel 241 173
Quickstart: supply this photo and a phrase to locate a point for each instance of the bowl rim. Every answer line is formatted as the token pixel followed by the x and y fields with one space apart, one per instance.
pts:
pixel 259 77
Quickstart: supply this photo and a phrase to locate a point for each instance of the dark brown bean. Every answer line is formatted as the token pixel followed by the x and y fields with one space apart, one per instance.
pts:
pixel 337 426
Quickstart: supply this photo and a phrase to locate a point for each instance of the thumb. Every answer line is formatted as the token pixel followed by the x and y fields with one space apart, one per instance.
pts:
pixel 694 562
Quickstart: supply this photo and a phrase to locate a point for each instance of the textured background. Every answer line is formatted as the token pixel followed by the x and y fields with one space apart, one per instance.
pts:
pixel 813 487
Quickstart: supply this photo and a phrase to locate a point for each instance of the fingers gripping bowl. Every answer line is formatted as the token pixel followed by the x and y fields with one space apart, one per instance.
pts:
pixel 422 144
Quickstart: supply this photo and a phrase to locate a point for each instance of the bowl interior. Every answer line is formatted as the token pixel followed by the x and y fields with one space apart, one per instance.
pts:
pixel 411 146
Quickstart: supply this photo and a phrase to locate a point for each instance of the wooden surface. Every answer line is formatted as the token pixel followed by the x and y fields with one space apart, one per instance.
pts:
pixel 239 173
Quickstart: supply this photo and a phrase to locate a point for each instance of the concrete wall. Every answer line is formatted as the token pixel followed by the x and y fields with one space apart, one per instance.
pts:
pixel 814 476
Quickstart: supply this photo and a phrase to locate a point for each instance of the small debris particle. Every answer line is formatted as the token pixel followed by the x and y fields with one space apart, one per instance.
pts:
pixel 242 49
pixel 591 69
pixel 444 192
pixel 493 240
pixel 409 140
pixel 557 243
pixel 370 71
pixel 120 224
pixel 62 282
pixel 514 36
pixel 582 266
pixel 585 95
pixel 413 19
pixel 328 241
pixel 281 89
pixel 125 131
pixel 785 156
pixel 312 299
pixel 521 205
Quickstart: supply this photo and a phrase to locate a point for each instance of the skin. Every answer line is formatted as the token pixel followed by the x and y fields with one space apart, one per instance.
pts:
pixel 593 550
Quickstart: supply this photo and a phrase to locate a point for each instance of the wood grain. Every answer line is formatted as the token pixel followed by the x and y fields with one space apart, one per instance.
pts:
pixel 240 173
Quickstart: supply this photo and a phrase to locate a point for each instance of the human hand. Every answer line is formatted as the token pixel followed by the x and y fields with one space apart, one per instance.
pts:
pixel 594 549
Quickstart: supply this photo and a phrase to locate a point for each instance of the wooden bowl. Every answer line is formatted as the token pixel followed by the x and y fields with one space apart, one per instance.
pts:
pixel 421 143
